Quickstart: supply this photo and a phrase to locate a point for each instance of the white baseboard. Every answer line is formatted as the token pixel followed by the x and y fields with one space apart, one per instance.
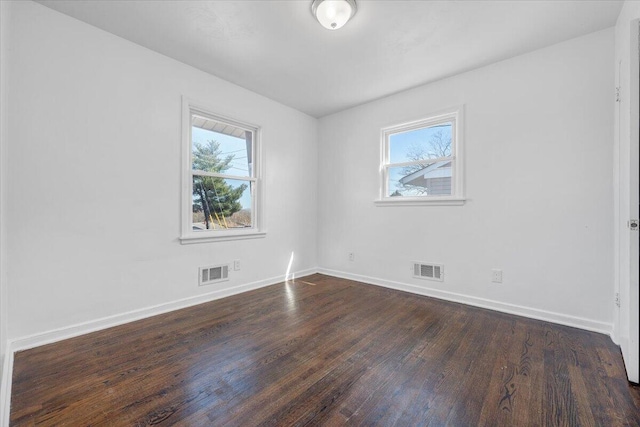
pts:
pixel 534 313
pixel 5 387
pixel 615 335
pixel 71 331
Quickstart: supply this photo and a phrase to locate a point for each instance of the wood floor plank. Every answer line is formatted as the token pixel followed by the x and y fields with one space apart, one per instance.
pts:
pixel 326 351
pixel 498 406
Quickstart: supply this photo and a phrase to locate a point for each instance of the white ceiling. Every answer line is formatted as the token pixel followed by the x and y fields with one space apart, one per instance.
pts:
pixel 279 50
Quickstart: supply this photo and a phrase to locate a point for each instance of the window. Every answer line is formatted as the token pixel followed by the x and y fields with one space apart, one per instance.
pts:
pixel 422 161
pixel 220 178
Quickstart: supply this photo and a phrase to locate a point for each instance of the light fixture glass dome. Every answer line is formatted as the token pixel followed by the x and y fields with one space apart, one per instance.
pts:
pixel 333 14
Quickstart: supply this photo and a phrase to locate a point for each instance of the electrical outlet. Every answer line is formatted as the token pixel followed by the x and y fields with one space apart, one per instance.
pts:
pixel 496 275
pixel 236 264
pixel 352 256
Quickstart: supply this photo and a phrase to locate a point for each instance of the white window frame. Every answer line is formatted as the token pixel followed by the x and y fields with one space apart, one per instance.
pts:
pixel 188 235
pixel 451 115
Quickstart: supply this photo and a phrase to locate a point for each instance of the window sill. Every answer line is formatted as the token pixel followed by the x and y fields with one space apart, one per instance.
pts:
pixel 221 236
pixel 420 201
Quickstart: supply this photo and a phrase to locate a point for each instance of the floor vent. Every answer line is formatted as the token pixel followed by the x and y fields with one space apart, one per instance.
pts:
pixel 213 274
pixel 428 271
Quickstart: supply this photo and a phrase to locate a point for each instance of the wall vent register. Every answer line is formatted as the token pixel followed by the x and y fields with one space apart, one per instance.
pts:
pixel 428 271
pixel 213 274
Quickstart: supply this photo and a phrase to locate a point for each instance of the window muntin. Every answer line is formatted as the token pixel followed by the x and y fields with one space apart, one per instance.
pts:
pixel 221 180
pixel 421 160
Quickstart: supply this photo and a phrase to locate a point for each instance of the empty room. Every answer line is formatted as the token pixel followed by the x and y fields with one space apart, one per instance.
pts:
pixel 319 212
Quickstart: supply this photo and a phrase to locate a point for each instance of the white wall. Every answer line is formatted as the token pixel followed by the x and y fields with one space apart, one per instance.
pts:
pixel 93 203
pixel 538 184
pixel 625 200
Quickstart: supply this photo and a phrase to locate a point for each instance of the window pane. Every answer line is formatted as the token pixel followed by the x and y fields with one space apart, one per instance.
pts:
pixel 220 147
pixel 425 143
pixel 221 204
pixel 430 179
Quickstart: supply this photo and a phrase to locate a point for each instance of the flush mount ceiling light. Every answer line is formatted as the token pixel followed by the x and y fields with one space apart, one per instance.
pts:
pixel 333 14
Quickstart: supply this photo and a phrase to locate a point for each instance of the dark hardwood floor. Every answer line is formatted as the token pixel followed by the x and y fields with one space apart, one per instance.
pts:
pixel 327 351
